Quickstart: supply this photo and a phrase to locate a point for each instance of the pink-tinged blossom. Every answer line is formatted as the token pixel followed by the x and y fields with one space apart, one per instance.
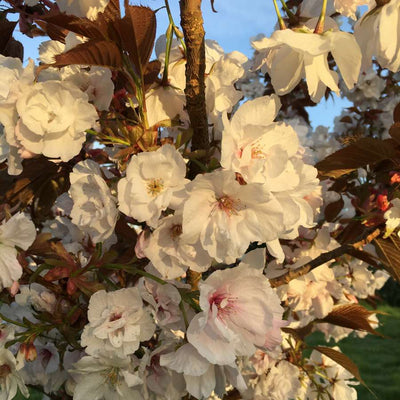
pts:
pixel 18 231
pixel 169 254
pixel 202 377
pixel 164 299
pixel 267 152
pixel 314 292
pixel 152 179
pixel 337 379
pixel 281 382
pixel 118 322
pixel 226 216
pixel 241 312
pixel 10 378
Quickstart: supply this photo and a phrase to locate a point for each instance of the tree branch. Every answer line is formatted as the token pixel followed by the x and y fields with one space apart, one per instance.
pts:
pixel 323 258
pixel 192 25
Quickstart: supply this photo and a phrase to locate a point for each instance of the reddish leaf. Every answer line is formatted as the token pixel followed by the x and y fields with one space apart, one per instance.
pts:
pixel 6 30
pixel 57 273
pixel 151 72
pixel 80 26
pixel 333 209
pixel 60 250
pixel 53 31
pixel 41 245
pixel 137 33
pixel 112 12
pixel 353 316
pixel 396 113
pixel 394 131
pixel 389 253
pixel 359 154
pixel 94 52
pixel 342 360
pixel 14 48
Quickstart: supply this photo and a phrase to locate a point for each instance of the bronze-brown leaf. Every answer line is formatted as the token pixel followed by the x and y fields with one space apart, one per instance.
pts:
pixel 389 253
pixel 359 154
pixel 353 316
pixel 137 32
pixel 342 360
pixel 95 52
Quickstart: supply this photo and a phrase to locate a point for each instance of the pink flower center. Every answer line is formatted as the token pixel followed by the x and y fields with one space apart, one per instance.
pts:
pixel 225 303
pixel 115 316
pixel 228 205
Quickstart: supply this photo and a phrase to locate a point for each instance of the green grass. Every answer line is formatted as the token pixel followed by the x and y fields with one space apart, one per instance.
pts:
pixel 378 358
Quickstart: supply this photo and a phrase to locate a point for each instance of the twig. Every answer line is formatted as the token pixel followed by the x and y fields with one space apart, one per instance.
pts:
pixel 323 258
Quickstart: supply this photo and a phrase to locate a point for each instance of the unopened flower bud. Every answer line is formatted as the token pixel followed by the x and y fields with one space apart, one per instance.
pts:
pixel 28 350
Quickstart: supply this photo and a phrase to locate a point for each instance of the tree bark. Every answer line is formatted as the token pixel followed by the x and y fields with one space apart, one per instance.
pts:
pixel 192 25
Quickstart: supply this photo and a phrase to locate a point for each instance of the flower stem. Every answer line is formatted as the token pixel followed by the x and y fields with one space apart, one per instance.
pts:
pixel 319 28
pixel 291 16
pixel 281 22
pixel 10 321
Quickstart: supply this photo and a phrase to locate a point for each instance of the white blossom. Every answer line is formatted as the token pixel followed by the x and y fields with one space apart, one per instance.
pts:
pixel 304 55
pixel 377 34
pixel 226 216
pixel 152 179
pixel 118 322
pixel 10 378
pixel 94 209
pixel 53 117
pixel 83 8
pixel 171 255
pixel 108 378
pixel 19 231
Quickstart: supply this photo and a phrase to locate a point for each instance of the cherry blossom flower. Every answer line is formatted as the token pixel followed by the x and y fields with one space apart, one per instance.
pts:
pixel 281 382
pixel 117 323
pixel 392 217
pixel 266 152
pixel 171 255
pixel 337 378
pixel 53 119
pixel 348 8
pixel 94 209
pixel 152 179
pixel 18 231
pixel 202 377
pixel 377 34
pixel 226 216
pixel 108 378
pixel 10 379
pixel 304 55
pixel 240 313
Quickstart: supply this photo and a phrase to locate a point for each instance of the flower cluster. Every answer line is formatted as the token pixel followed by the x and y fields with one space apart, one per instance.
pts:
pixel 166 232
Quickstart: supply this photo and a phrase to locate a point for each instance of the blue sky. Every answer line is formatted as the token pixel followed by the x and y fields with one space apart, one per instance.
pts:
pixel 232 27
